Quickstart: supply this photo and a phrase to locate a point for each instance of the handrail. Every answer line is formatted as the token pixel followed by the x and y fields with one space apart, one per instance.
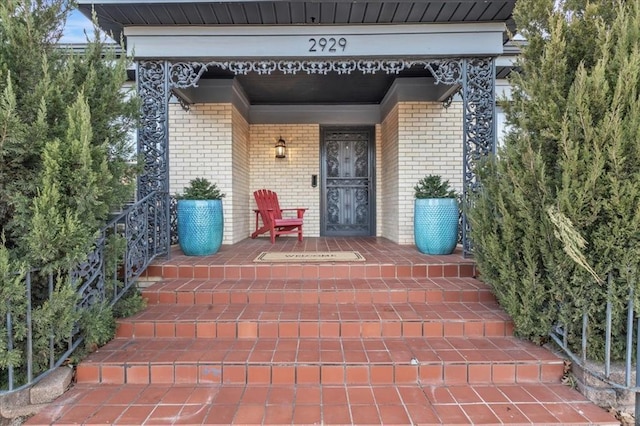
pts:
pixel 138 225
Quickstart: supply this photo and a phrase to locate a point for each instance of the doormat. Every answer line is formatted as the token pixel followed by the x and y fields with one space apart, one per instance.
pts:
pixel 310 256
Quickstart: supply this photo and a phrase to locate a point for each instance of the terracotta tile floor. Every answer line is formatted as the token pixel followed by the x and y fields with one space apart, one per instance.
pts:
pixel 333 319
pixel 332 360
pixel 402 338
pixel 375 250
pixel 185 291
pixel 530 404
pixel 382 259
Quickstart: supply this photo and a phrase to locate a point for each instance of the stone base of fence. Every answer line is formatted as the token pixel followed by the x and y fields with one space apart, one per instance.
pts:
pixel 602 393
pixel 29 401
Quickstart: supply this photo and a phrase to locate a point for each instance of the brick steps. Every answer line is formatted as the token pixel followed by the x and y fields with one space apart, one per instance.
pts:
pixel 314 291
pixel 522 404
pixel 357 270
pixel 401 338
pixel 447 319
pixel 342 361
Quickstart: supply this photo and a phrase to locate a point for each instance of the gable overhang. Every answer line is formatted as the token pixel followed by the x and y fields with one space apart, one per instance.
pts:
pixel 115 15
pixel 251 36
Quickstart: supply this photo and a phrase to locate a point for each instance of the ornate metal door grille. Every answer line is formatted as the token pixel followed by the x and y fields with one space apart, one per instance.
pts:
pixel 347 175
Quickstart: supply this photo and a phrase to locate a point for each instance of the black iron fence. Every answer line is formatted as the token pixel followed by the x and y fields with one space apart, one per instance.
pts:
pixel 603 371
pixel 122 251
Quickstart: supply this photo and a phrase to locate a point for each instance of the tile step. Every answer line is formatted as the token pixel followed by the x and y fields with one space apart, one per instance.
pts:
pixel 230 271
pixel 530 404
pixel 322 361
pixel 391 290
pixel 243 321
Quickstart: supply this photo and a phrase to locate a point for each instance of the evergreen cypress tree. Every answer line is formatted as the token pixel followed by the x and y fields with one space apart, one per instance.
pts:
pixel 11 290
pixel 67 210
pixel 64 166
pixel 45 79
pixel 572 157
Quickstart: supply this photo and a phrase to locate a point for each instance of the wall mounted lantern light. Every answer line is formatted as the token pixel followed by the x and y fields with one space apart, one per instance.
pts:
pixel 281 149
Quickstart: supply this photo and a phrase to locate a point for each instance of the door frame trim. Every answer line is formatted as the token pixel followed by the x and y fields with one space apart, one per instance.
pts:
pixel 372 165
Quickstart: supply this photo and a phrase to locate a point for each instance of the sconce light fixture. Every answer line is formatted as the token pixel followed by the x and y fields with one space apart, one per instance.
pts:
pixel 281 149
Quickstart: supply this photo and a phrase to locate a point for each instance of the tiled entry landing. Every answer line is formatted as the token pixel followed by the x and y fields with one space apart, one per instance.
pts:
pixel 383 259
pixel 401 338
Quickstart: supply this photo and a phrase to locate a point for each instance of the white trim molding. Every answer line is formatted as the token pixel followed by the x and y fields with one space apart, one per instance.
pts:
pixel 321 41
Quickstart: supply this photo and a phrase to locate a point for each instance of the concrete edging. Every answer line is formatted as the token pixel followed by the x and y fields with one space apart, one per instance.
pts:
pixel 29 401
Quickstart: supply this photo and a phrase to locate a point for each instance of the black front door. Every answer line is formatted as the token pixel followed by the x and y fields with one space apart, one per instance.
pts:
pixel 347 204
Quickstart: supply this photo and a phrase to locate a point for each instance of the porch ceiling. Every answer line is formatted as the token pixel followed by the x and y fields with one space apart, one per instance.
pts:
pixel 280 89
pixel 114 15
pixel 324 89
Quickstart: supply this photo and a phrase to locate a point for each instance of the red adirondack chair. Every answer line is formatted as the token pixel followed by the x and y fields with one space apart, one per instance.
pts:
pixel 271 213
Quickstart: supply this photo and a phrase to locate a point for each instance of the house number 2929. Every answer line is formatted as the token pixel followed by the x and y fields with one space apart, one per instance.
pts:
pixel 327 44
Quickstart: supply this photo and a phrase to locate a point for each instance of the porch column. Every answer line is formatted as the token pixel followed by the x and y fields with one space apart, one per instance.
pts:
pixel 479 135
pixel 153 145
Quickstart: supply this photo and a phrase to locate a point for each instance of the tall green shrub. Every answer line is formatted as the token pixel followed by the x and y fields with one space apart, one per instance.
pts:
pixel 65 164
pixel 42 79
pixel 12 293
pixel 570 170
pixel 68 208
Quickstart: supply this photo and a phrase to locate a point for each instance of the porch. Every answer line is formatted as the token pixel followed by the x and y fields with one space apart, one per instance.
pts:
pixel 400 338
pixel 361 124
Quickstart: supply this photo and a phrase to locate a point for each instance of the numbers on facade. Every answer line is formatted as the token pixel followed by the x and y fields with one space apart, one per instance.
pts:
pixel 330 44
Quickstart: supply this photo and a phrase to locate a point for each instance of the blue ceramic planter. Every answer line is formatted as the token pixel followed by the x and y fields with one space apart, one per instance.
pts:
pixel 435 225
pixel 200 226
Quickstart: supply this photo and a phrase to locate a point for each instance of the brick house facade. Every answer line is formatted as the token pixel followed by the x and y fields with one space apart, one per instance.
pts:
pixel 218 94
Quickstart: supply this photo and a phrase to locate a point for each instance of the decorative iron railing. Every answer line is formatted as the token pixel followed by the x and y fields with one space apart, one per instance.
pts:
pixel 173 220
pixel 561 333
pixel 122 251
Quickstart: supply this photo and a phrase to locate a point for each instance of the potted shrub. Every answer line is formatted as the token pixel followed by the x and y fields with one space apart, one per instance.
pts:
pixel 200 219
pixel 435 216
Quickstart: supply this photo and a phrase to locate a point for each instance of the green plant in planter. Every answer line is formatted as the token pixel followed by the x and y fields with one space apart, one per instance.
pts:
pixel 201 189
pixel 435 219
pixel 433 186
pixel 200 218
